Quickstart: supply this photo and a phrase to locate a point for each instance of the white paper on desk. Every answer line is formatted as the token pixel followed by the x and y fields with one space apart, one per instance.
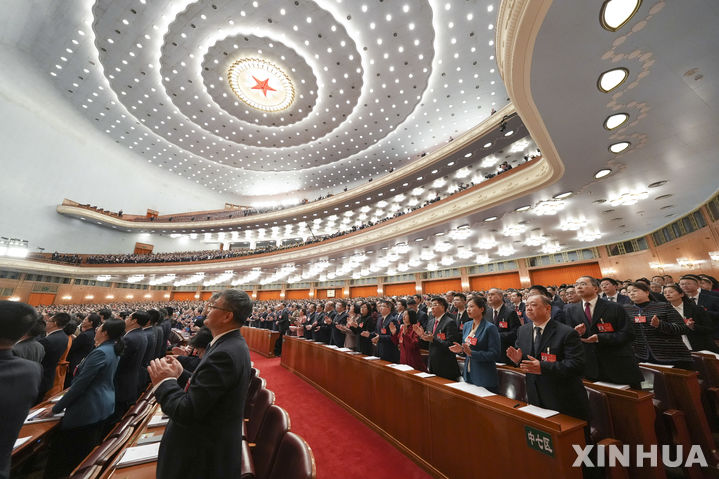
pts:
pixel 709 352
pixel 57 398
pixel 657 365
pixel 401 367
pixel 331 346
pixel 353 352
pixel 539 411
pixel 34 413
pixel 370 358
pixel 471 388
pixel 139 454
pixel 158 420
pixel 33 419
pixel 612 385
pixel 344 350
pixel 425 375
pixel 20 441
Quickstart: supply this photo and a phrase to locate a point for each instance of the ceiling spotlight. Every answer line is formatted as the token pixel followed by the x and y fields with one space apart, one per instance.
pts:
pixel 491 218
pixel 602 173
pixel 615 121
pixel 617 148
pixel 616 13
pixel 611 79
pixel 657 184
pixel 560 196
pixel 523 208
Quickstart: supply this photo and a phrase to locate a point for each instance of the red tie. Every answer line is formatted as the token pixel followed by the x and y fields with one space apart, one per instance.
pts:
pixel 436 323
pixel 588 312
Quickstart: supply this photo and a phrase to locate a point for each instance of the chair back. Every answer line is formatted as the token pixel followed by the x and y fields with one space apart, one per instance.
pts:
pixel 275 424
pixel 512 384
pixel 256 383
pixel 265 399
pixel 294 459
pixel 601 425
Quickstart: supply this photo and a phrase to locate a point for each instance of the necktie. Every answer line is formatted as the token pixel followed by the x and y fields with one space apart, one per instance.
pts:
pixel 612 298
pixel 588 312
pixel 537 340
pixel 436 323
pixel 695 300
pixel 495 316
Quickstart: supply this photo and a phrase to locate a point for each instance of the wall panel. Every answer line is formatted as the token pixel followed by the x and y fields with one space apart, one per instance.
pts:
pixel 566 274
pixel 363 291
pixel 184 296
pixel 37 299
pixel 400 289
pixel 502 281
pixel 297 294
pixel 270 294
pixel 441 286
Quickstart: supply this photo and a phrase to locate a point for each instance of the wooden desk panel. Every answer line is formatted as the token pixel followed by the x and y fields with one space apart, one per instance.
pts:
pixel 260 340
pixel 438 427
pixel 39 433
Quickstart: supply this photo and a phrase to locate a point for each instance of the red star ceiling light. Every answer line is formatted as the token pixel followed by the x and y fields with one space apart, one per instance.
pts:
pixel 250 80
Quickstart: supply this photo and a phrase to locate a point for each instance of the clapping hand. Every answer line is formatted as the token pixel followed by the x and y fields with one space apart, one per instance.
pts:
pixel 690 323
pixel 581 329
pixel 456 348
pixel 392 329
pixel 655 321
pixel 514 354
pixel 364 334
pixel 591 339
pixel 466 349
pixel 531 366
pixel 375 340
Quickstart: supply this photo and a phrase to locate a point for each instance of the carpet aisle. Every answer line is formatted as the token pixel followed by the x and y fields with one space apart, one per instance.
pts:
pixel 343 446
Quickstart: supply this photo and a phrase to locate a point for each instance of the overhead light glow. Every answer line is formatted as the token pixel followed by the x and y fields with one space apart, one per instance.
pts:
pixel 611 79
pixel 617 148
pixel 616 13
pixel 602 173
pixel 615 121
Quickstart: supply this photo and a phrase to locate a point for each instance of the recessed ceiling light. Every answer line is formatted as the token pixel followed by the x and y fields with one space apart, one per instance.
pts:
pixel 509 133
pixel 491 218
pixel 467 155
pixel 616 13
pixel 602 173
pixel 619 147
pixel 657 184
pixel 663 197
pixel 611 79
pixel 563 195
pixel 599 202
pixel 615 121
pixel 488 144
pixel 523 208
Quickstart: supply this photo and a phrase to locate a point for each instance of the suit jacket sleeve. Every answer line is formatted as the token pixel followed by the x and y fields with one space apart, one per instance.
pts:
pixel 94 362
pixel 452 335
pixel 210 381
pixel 572 364
pixel 623 329
pixel 671 323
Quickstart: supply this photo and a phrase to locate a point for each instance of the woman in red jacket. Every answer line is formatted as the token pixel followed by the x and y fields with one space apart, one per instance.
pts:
pixel 408 341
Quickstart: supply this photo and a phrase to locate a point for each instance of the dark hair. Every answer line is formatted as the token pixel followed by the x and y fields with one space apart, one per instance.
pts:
pixel 594 281
pixel 61 319
pixel 202 339
pixel 154 316
pixel 611 280
pixel 105 314
pixel 711 279
pixel 389 304
pixel 411 301
pixel 643 280
pixel 461 295
pixel 341 302
pixel 15 320
pixel 94 319
pixel 141 317
pixel 478 301
pixel 70 327
pixel 239 303
pixel 441 301
pixel 38 328
pixel 692 277
pixel 541 290
pixel 412 316
pixel 675 288
pixel 369 308
pixel 403 302
pixel 518 294
pixel 115 328
pixel 640 285
pixel 170 310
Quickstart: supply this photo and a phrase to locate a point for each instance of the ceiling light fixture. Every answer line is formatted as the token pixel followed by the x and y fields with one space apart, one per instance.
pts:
pixel 617 148
pixel 602 173
pixel 616 13
pixel 628 198
pixel 611 79
pixel 549 207
pixel 615 121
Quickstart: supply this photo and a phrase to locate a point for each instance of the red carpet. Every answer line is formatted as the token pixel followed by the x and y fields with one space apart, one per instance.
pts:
pixel 343 445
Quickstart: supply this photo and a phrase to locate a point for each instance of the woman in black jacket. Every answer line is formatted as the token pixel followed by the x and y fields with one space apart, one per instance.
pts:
pixel 367 323
pixel 700 334
pixel 658 329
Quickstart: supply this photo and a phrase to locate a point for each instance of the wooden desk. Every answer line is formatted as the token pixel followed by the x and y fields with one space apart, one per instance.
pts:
pixel 38 432
pixel 139 471
pixel 261 340
pixel 438 427
pixel 685 393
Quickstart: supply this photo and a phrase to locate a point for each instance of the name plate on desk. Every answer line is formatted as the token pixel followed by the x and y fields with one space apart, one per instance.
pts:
pixel 370 358
pixel 539 441
pixel 425 375
pixel 158 420
pixel 20 441
pixel 539 411
pixel 401 367
pixel 657 365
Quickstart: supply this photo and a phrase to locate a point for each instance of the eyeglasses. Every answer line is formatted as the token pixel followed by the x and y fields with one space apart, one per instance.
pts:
pixel 212 306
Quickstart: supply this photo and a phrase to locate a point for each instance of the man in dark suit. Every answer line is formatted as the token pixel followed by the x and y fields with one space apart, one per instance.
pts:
pixel 166 325
pixel 81 345
pixel 441 333
pixel 460 309
pixel 158 333
pixel 283 325
pixel 338 337
pixel 55 344
pixel 607 333
pixel 149 351
pixel 422 317
pixel 515 297
pixel 324 323
pixel 421 305
pixel 610 293
pixel 551 355
pixel 705 299
pixel 386 349
pixel 129 369
pixel 204 434
pixel 557 311
pixel 20 378
pixel 504 318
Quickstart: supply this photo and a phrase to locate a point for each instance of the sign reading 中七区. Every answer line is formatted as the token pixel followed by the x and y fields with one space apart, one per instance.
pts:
pixel 539 441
